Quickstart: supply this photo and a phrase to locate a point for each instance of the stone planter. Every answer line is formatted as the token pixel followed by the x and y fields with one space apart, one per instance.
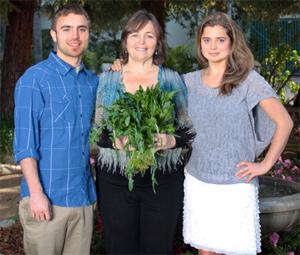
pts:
pixel 279 204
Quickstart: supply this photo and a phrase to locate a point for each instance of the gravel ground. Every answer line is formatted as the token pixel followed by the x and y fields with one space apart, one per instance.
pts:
pixel 11 240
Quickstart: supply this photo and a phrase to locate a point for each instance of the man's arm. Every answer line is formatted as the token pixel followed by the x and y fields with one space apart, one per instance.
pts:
pixel 29 106
pixel 39 204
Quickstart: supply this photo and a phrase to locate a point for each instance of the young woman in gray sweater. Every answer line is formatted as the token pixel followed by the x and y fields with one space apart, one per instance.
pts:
pixel 236 115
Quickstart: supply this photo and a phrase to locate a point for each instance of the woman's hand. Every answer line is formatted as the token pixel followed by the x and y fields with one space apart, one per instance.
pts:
pixel 116 65
pixel 251 170
pixel 121 142
pixel 164 141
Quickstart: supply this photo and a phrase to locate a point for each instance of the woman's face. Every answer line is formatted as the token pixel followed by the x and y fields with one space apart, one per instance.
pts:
pixel 215 44
pixel 141 44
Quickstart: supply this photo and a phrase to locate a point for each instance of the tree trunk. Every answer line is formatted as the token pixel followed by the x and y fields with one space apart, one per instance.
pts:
pixel 157 7
pixel 37 35
pixel 17 51
pixel 2 39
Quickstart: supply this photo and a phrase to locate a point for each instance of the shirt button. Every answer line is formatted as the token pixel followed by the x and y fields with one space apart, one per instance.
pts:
pixel 80 115
pixel 79 96
pixel 81 134
pixel 83 153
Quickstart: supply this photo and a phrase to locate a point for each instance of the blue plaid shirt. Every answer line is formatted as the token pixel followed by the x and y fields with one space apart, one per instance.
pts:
pixel 54 105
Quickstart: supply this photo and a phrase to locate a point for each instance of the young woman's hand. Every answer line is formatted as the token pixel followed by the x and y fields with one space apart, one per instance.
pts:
pixel 249 170
pixel 164 141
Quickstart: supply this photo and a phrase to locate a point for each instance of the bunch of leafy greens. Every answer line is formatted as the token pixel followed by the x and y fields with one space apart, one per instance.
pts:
pixel 139 116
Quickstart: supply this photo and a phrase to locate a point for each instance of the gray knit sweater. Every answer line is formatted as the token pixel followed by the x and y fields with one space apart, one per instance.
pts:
pixel 230 129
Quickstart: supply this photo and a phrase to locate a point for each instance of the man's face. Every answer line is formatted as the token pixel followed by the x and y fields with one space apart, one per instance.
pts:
pixel 71 35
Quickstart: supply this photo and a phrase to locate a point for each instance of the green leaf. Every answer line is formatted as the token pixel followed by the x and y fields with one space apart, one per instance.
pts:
pixel 138 116
pixel 127 120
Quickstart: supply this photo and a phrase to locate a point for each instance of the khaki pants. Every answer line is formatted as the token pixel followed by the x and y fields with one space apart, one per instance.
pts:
pixel 69 232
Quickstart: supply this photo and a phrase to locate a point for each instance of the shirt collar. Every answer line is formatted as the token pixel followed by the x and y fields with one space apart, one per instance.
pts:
pixel 62 66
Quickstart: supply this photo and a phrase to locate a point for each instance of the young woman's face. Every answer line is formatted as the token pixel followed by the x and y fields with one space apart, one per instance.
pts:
pixel 142 43
pixel 215 44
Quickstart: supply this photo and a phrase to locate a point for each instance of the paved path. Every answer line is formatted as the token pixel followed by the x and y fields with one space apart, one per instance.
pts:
pixel 10 178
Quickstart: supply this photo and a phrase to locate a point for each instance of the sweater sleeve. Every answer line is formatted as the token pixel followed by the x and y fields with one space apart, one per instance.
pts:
pixel 106 93
pixel 185 132
pixel 184 136
pixel 104 140
pixel 258 90
pixel 263 127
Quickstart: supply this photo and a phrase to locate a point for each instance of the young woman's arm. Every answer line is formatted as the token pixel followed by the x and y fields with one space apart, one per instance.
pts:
pixel 284 124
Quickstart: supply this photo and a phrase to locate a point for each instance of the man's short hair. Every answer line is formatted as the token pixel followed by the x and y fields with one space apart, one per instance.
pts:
pixel 65 10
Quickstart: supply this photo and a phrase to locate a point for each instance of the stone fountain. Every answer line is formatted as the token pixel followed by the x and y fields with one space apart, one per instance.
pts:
pixel 279 204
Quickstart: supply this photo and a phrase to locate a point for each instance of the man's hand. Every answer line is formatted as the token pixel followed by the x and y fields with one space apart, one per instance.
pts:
pixel 40 207
pixel 39 204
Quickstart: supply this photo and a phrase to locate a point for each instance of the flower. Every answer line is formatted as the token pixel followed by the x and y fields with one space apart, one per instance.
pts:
pixel 291 253
pixel 295 169
pixel 286 169
pixel 287 163
pixel 274 238
pixel 92 161
pixel 279 171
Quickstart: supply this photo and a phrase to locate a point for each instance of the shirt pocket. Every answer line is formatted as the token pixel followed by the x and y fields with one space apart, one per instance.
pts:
pixel 63 109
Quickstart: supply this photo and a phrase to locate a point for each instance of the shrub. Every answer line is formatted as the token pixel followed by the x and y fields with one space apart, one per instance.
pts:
pixel 181 59
pixel 278 67
pixel 282 243
pixel 286 169
pixel 6 137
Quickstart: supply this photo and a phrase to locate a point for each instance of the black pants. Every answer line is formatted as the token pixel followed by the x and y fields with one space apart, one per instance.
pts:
pixel 139 221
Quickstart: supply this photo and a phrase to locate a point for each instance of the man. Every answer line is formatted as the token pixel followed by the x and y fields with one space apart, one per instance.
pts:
pixel 54 102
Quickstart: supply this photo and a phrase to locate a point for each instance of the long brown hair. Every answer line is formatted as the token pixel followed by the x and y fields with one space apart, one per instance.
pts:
pixel 240 60
pixel 136 22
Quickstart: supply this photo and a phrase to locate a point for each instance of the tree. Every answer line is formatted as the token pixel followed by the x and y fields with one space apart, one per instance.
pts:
pixel 268 10
pixel 260 10
pixel 190 13
pixel 17 51
pixel 278 68
pixel 5 8
pixel 158 8
pixel 37 34
pixel 105 42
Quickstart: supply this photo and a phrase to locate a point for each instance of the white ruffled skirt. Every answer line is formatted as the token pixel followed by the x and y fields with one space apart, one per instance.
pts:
pixel 221 218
